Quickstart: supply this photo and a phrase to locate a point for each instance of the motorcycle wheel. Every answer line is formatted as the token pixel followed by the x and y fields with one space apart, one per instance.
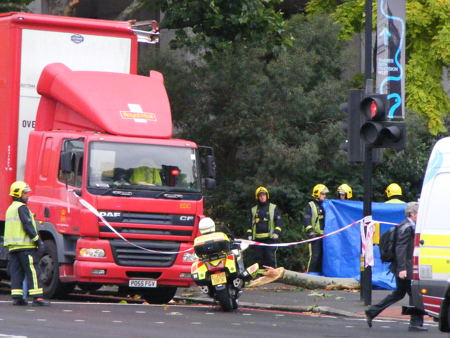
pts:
pixel 225 299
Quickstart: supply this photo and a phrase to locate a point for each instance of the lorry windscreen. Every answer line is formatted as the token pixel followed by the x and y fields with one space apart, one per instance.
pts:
pixel 142 167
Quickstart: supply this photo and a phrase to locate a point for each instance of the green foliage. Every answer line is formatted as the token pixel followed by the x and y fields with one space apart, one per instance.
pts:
pixel 223 24
pixel 277 124
pixel 427 51
pixel 13 6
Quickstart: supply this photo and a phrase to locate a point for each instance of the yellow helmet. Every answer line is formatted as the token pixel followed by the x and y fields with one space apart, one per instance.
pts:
pixel 393 189
pixel 261 190
pixel 319 189
pixel 18 188
pixel 346 190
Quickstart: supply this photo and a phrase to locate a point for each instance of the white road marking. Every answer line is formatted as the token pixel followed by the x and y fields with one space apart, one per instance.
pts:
pixel 67 310
pixel 106 311
pixel 160 322
pixel 41 320
pixel 141 311
pixel 79 320
pixel 196 323
pixel 10 336
pixel 117 321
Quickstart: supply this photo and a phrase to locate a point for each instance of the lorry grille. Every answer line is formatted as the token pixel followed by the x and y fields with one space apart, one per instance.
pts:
pixel 126 254
pixel 147 218
pixel 159 224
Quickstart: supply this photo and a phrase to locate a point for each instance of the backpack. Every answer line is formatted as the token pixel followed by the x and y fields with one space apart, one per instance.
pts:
pixel 387 245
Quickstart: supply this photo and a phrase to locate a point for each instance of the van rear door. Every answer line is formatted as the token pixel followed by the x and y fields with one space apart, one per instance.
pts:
pixel 433 229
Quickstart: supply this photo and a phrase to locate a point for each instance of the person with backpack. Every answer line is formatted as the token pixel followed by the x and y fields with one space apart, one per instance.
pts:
pixel 401 267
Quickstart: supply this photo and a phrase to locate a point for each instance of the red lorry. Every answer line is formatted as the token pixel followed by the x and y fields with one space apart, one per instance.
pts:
pixel 78 123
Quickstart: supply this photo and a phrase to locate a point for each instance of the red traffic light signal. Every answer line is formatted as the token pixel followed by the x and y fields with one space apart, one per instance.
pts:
pixel 374 107
pixel 376 131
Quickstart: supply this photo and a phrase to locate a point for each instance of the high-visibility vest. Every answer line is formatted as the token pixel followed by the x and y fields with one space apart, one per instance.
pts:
pixel 270 222
pixel 15 235
pixel 147 175
pixel 394 200
pixel 315 219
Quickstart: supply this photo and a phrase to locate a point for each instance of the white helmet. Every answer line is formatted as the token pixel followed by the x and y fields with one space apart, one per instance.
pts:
pixel 206 225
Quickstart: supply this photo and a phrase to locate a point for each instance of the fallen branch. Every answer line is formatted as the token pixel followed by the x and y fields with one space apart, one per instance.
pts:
pixel 281 275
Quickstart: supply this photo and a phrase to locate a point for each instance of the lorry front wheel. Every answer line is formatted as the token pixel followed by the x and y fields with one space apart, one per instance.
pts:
pixel 49 276
pixel 160 295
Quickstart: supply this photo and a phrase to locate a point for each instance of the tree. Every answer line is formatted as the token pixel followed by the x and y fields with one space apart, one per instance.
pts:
pixel 221 24
pixel 427 52
pixel 275 124
pixel 14 6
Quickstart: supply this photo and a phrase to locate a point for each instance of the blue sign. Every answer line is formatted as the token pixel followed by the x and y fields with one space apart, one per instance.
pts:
pixel 390 77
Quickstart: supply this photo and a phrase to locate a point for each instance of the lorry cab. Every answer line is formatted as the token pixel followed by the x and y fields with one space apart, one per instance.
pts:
pixel 431 261
pixel 79 126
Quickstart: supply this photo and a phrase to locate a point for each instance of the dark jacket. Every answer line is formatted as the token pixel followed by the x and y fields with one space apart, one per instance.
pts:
pixel 404 247
pixel 262 215
pixel 308 215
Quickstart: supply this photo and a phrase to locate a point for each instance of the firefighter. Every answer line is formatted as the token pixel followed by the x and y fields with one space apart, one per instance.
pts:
pixel 146 174
pixel 393 193
pixel 22 240
pixel 344 192
pixel 265 227
pixel 314 221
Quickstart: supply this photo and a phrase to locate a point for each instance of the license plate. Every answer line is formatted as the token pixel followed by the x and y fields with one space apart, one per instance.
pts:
pixel 218 278
pixel 142 283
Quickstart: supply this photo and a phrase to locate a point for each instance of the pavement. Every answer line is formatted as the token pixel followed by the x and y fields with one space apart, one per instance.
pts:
pixel 282 297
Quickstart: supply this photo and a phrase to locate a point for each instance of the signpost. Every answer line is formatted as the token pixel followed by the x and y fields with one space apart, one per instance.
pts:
pixel 390 55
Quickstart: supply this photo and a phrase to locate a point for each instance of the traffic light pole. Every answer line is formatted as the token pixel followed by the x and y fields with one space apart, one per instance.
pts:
pixel 366 272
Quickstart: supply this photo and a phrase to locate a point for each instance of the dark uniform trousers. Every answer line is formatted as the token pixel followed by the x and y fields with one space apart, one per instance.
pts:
pixel 23 263
pixel 265 255
pixel 316 253
pixel 403 287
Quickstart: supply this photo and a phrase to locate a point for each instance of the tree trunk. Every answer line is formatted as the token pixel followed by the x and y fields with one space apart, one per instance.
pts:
pixel 281 275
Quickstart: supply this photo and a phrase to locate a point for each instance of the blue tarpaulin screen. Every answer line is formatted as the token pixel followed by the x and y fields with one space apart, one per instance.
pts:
pixel 341 256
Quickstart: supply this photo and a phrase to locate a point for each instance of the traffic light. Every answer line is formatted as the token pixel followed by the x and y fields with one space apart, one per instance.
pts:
pixel 377 131
pixel 354 145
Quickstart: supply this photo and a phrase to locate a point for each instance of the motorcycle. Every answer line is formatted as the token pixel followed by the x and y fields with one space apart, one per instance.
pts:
pixel 219 270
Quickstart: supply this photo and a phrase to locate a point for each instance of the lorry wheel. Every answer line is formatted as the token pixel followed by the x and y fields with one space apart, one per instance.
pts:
pixel 161 295
pixel 49 272
pixel 88 287
pixel 225 299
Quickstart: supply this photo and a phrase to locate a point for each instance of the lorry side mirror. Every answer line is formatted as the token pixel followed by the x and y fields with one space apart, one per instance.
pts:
pixel 211 166
pixel 67 162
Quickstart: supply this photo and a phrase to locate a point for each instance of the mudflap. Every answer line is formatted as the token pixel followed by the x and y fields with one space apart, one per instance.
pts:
pixel 411 310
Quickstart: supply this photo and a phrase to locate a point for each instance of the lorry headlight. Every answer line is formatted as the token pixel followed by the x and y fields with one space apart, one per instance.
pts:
pixel 89 252
pixel 189 257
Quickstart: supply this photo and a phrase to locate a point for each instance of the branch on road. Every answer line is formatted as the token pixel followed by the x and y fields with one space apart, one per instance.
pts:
pixel 281 275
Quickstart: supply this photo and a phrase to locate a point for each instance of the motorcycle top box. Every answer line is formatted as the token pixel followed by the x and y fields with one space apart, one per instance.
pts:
pixel 212 244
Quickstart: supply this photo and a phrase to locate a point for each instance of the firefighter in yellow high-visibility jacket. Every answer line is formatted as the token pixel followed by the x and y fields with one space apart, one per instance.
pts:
pixel 22 240
pixel 314 222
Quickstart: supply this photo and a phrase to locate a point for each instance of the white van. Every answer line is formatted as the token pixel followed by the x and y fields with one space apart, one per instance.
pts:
pixel 431 261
